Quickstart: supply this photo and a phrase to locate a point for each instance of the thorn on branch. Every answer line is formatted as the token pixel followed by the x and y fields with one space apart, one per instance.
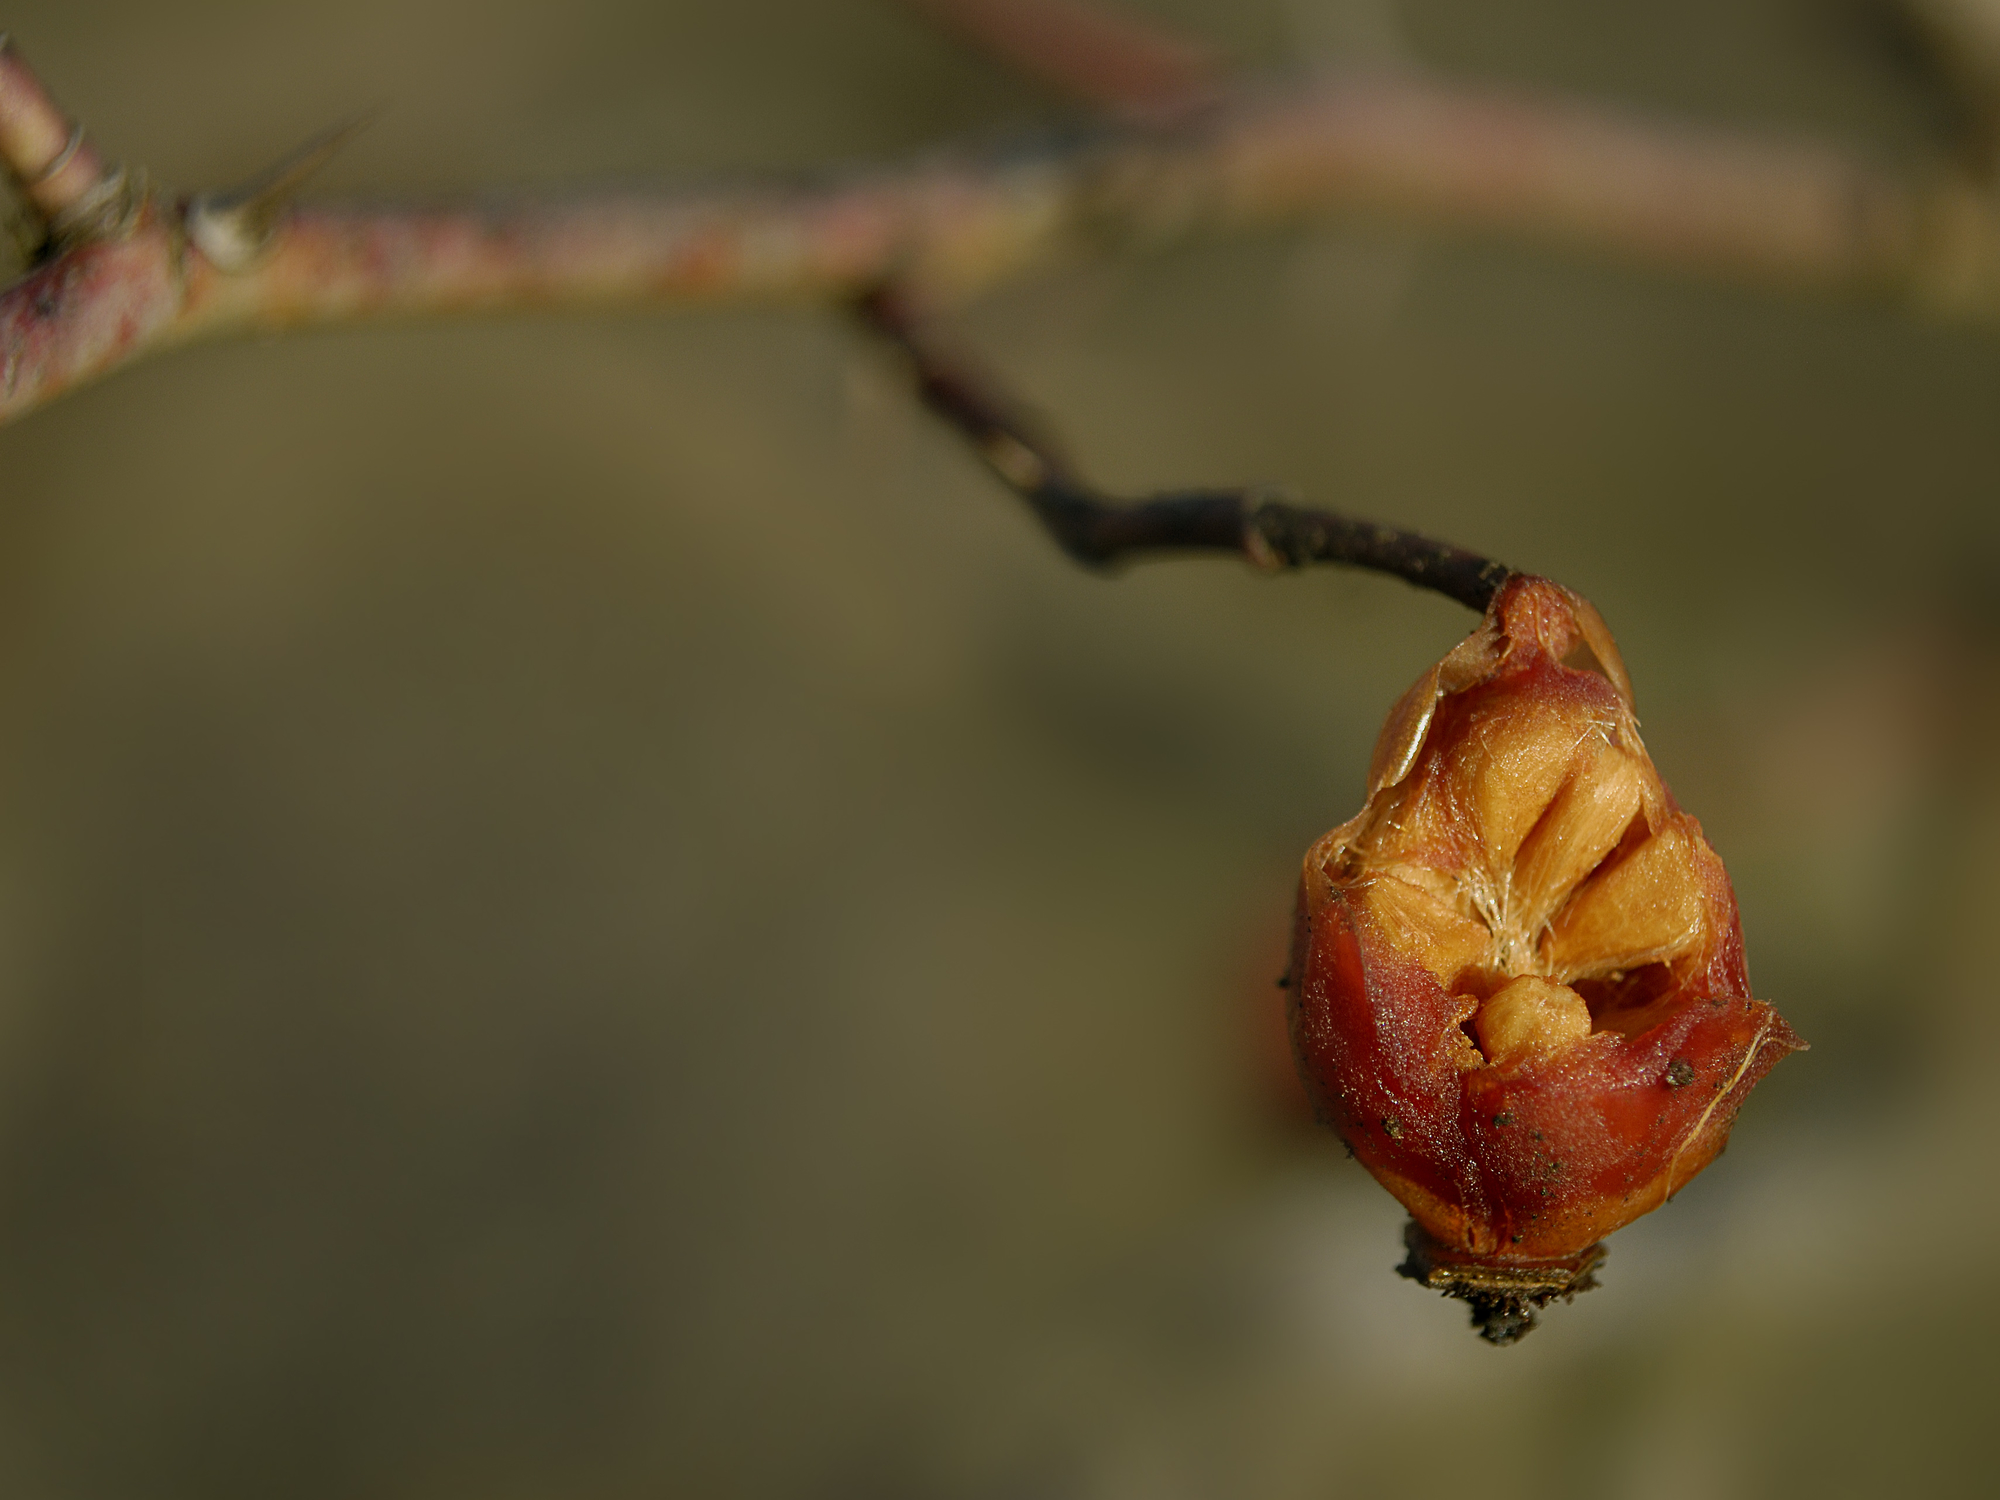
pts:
pixel 234 228
pixel 1099 530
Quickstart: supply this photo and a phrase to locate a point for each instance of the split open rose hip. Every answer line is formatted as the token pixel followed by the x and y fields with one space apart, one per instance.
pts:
pixel 1517 986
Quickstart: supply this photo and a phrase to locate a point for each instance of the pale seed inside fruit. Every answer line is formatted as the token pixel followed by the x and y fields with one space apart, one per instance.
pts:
pixel 1644 908
pixel 1532 848
pixel 1532 1017
pixel 1584 823
pixel 1512 766
pixel 1425 924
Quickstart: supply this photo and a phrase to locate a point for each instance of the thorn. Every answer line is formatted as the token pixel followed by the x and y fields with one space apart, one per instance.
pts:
pixel 234 228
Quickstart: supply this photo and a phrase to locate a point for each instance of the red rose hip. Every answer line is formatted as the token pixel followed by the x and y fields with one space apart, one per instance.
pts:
pixel 1517 986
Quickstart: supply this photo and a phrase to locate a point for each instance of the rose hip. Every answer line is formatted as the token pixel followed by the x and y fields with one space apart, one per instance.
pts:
pixel 1517 986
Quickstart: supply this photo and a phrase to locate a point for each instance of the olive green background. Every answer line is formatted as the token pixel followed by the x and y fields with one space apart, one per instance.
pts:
pixel 586 910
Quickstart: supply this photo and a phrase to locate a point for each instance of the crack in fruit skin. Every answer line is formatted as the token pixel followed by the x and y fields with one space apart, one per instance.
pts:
pixel 1522 955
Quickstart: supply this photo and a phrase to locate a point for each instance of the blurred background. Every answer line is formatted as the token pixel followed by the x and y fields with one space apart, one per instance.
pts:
pixel 587 910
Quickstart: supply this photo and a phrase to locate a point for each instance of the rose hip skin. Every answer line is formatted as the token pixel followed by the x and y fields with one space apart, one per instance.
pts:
pixel 1517 986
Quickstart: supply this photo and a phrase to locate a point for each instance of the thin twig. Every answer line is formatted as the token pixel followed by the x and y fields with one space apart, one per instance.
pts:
pixel 1100 530
pixel 1793 216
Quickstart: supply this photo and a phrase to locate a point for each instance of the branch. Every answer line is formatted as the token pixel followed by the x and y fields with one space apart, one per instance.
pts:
pixel 1098 530
pixel 142 273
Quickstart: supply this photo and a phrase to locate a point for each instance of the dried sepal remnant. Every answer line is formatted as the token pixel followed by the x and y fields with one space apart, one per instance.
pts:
pixel 1517 987
pixel 1505 1299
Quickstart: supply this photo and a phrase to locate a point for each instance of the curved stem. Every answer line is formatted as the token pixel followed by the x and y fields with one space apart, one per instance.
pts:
pixel 1100 530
